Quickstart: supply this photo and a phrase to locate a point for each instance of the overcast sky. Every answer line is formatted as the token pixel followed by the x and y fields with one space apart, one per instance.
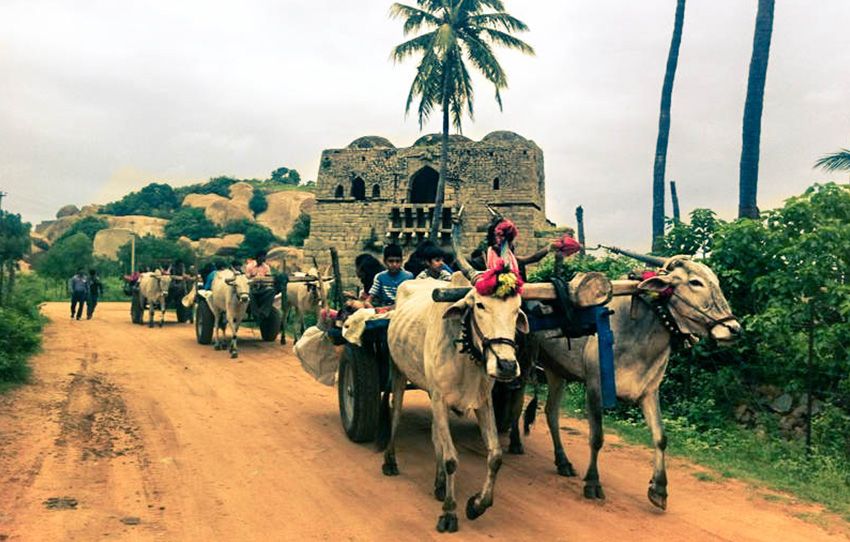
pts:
pixel 98 98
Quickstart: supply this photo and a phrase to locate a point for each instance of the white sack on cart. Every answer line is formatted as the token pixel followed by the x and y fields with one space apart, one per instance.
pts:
pixel 318 355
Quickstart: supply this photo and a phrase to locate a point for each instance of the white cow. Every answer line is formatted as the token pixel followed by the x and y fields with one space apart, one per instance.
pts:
pixel 422 340
pixel 230 295
pixel 153 288
pixel 305 298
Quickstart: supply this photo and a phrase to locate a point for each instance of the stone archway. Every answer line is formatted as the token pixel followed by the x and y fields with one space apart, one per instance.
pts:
pixel 358 189
pixel 423 186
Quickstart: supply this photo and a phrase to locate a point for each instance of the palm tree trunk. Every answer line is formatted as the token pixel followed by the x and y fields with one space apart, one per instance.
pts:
pixel 660 166
pixel 437 220
pixel 749 171
pixel 674 198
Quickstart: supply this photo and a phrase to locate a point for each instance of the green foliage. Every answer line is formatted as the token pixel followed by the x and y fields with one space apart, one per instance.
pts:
pixel 691 239
pixel 300 231
pixel 14 237
pixel 20 331
pixel 285 176
pixel 65 257
pixel 155 199
pixel 257 238
pixel 258 203
pixel 89 226
pixel 191 222
pixel 238 226
pixel 837 161
pixel 152 251
pixel 612 266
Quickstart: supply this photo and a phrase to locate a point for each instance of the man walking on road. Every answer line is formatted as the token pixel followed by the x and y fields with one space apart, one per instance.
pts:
pixel 78 286
pixel 95 290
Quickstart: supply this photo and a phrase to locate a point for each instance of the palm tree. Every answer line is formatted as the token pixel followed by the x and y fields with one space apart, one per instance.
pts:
pixel 664 129
pixel 749 171
pixel 457 29
pixel 837 161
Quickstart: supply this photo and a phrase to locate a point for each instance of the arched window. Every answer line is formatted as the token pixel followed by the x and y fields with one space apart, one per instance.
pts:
pixel 496 183
pixel 376 191
pixel 423 186
pixel 358 189
pixel 339 192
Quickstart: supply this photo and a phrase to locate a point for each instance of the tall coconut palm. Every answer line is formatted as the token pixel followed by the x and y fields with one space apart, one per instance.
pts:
pixel 460 32
pixel 751 136
pixel 837 161
pixel 660 166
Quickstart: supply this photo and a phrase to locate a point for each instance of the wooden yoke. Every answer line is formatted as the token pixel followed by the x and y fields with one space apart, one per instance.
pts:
pixel 585 290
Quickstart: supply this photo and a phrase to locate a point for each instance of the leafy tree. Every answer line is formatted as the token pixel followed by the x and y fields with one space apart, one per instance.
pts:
pixel 467 29
pixel 191 222
pixel 660 165
pixel 836 161
pixel 257 238
pixel 217 185
pixel 751 136
pixel 65 257
pixel 692 239
pixel 285 176
pixel 14 244
pixel 258 203
pixel 89 225
pixel 300 231
pixel 155 199
pixel 237 226
pixel 153 251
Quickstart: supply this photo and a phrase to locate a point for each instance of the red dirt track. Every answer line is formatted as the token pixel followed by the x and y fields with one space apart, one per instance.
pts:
pixel 137 423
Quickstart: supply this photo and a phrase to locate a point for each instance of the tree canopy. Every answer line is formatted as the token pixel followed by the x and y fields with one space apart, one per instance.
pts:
pixel 192 223
pixel 285 176
pixel 89 225
pixel 155 199
pixel 152 251
pixel 65 257
pixel 258 202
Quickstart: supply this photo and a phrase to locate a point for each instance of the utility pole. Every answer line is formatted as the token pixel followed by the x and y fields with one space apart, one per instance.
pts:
pixel 1 199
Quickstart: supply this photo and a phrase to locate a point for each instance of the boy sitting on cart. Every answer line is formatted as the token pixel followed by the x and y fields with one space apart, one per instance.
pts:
pixel 385 285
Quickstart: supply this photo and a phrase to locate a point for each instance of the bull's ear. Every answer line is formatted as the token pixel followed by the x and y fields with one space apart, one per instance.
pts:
pixel 658 283
pixel 457 310
pixel 522 323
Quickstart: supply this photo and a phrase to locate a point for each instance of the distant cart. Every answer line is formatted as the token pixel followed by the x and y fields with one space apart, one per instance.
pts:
pixel 264 309
pixel 180 286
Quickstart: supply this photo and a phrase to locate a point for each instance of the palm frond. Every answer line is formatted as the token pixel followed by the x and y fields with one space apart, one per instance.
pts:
pixel 413 17
pixel 481 55
pixel 495 20
pixel 418 44
pixel 837 161
pixel 506 40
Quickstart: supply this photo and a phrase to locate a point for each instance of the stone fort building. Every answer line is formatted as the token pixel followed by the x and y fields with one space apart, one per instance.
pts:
pixel 371 193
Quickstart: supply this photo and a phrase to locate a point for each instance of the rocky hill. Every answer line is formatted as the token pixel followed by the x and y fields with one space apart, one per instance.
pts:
pixel 284 204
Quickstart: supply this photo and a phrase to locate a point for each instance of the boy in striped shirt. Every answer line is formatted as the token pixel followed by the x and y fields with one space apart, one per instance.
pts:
pixel 385 286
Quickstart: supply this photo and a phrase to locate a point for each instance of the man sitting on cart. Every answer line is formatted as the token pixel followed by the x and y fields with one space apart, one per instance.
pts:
pixel 258 267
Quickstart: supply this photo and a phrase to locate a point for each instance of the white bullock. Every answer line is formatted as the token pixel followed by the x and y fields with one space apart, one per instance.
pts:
pixel 422 341
pixel 230 296
pixel 153 288
pixel 305 298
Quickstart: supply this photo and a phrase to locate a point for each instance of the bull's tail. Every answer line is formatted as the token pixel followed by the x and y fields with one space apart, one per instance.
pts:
pixel 385 423
pixel 530 413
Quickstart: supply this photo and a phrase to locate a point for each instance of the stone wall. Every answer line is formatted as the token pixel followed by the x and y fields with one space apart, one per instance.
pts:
pixel 360 187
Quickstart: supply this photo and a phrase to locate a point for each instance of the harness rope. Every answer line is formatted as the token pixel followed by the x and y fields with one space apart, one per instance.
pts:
pixel 469 331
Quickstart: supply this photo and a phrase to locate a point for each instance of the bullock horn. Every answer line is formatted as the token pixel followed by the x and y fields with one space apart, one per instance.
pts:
pixel 468 271
pixel 657 261
pixel 230 281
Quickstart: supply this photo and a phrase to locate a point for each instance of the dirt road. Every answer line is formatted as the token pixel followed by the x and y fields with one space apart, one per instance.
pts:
pixel 151 436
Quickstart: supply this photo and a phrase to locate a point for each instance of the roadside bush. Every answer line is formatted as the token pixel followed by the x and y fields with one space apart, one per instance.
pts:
pixel 192 223
pixel 20 330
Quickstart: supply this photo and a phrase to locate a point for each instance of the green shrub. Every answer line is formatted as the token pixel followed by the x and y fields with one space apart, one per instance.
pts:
pixel 152 251
pixel 192 223
pixel 238 226
pixel 300 231
pixel 65 257
pixel 258 203
pixel 89 226
pixel 257 238
pixel 155 199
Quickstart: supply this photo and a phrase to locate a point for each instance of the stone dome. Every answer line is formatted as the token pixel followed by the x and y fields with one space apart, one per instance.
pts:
pixel 435 139
pixel 503 136
pixel 370 142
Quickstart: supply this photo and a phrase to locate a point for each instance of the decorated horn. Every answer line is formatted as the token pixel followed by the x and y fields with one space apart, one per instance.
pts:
pixel 468 271
pixel 645 258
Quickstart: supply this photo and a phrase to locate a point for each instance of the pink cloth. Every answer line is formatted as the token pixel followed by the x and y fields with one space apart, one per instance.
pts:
pixel 495 261
pixel 253 269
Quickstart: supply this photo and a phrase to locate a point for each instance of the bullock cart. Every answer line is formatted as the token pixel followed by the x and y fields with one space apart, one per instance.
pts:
pixel 575 308
pixel 264 309
pixel 180 286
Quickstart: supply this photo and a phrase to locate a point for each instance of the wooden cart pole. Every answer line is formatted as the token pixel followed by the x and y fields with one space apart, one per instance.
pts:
pixel 337 289
pixel 580 227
